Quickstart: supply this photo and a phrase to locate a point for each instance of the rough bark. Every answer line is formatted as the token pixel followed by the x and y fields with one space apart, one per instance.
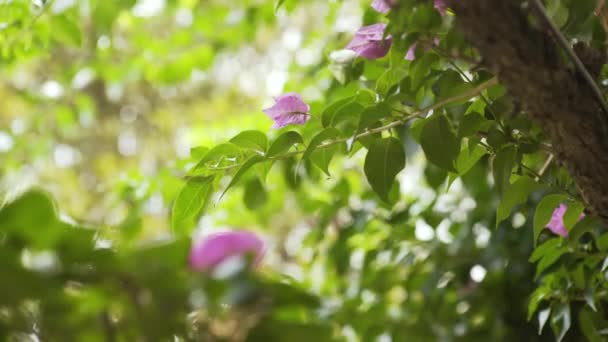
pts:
pixel 526 60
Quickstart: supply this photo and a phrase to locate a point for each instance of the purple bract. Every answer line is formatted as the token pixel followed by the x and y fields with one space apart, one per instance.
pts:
pixel 215 248
pixel 369 42
pixel 288 109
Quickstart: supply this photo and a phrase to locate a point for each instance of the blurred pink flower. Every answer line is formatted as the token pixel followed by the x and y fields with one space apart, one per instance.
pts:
pixel 411 52
pixel 369 42
pixel 440 6
pixel 556 224
pixel 213 249
pixel 288 109
pixel 383 6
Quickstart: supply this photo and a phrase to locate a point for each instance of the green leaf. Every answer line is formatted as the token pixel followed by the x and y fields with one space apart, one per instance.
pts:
pixel 439 142
pixel 329 133
pixel 190 201
pixel 543 317
pixel 537 297
pixel 561 321
pixel 198 152
pixel 65 30
pixel 389 79
pixel 591 324
pixel 472 123
pixel 502 166
pixel 451 84
pixel 515 194
pixel 421 67
pixel 468 158
pixel 544 211
pixel 549 259
pixel 373 114
pixel 573 213
pixel 322 157
pixel 590 298
pixel 283 143
pixel 241 171
pixel 33 218
pixel 215 154
pixel 385 159
pixel 330 111
pixel 255 196
pixel 544 248
pixel 254 140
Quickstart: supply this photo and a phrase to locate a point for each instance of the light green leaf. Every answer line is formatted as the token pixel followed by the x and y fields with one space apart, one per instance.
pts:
pixel 190 201
pixel 468 158
pixel 329 133
pixel 385 159
pixel 254 140
pixel 241 171
pixel 322 157
pixel 217 153
pixel 65 30
pixel 283 143
pixel 544 248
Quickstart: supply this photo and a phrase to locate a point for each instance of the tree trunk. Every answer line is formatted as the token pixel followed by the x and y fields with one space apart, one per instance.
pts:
pixel 527 61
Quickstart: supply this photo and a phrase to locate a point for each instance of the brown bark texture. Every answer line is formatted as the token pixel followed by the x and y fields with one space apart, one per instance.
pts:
pixel 527 61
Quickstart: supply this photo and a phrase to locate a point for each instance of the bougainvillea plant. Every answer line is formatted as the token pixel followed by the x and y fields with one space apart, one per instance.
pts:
pixel 438 172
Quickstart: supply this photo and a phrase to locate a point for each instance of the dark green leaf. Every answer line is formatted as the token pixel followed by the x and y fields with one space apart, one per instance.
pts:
pixel 385 159
pixel 439 142
pixel 502 166
pixel 515 194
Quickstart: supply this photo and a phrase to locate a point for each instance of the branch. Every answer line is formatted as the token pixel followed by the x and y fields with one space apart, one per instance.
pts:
pixel 421 113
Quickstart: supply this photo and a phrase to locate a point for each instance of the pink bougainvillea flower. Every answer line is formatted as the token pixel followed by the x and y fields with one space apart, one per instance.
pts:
pixel 556 224
pixel 213 249
pixel 383 6
pixel 288 109
pixel 440 6
pixel 369 42
pixel 411 52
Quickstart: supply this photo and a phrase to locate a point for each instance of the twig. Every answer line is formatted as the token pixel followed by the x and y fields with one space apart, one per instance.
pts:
pixel 571 54
pixel 546 165
pixel 464 96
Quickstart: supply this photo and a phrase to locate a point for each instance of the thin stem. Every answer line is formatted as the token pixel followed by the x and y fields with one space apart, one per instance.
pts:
pixel 482 96
pixel 546 165
pixel 571 54
pixel 417 114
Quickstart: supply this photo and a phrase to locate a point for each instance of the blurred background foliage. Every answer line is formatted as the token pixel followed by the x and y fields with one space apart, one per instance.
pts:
pixel 105 105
